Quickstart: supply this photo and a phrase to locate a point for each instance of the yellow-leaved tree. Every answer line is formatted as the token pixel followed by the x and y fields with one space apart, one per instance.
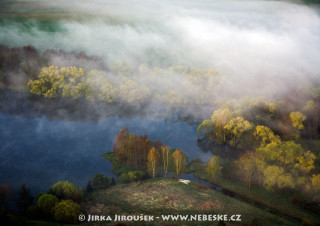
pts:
pixel 247 167
pixel 235 128
pixel 214 128
pixel 153 158
pixel 180 160
pixel 265 135
pixel 165 158
pixel 297 119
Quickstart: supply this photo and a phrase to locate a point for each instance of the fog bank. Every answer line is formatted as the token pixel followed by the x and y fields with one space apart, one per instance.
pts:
pixel 263 46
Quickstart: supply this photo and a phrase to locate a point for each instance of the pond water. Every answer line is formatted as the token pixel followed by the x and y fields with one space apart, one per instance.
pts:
pixel 39 151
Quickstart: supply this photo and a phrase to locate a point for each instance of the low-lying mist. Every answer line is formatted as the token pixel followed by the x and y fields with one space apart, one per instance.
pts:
pixel 261 47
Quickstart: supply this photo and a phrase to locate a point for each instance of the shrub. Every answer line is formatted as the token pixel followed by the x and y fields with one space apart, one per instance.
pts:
pixel 136 175
pixel 33 212
pixel 202 187
pixel 100 181
pixel 306 222
pixel 124 178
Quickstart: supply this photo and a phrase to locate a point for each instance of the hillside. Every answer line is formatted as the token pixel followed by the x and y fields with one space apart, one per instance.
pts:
pixel 168 196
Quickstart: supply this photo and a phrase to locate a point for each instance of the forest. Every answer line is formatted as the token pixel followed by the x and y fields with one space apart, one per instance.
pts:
pixel 277 142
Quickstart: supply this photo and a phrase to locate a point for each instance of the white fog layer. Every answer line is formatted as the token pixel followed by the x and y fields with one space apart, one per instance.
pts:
pixel 265 45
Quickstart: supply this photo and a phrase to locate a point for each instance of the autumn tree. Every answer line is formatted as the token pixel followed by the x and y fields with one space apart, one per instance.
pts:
pixel 265 135
pixel 121 145
pixel 288 155
pixel 246 166
pixel 316 182
pixel 235 128
pixel 215 167
pixel 260 166
pixel 285 161
pixel 6 195
pixel 215 127
pixel 297 119
pixel 165 150
pixel 276 177
pixel 180 160
pixel 305 162
pixel 153 158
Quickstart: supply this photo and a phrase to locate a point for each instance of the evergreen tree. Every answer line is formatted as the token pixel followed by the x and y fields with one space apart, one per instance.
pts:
pixel 113 182
pixel 25 199
pixel 89 187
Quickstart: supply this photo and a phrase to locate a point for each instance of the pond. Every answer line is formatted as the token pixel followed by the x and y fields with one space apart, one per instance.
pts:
pixel 39 151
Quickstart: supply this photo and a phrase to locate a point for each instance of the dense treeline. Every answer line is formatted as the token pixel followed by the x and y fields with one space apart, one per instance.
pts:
pixel 279 141
pixel 142 154
pixel 67 74
pixel 59 204
pixel 125 83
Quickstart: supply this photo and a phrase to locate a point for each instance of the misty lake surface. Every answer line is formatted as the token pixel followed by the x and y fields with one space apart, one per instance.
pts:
pixel 40 151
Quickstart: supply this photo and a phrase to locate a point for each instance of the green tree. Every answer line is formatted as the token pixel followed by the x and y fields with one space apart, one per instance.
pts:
pixel 66 190
pixel 113 182
pixel 89 187
pixel 67 211
pixel 215 167
pixel 46 202
pixel 100 181
pixel 25 199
